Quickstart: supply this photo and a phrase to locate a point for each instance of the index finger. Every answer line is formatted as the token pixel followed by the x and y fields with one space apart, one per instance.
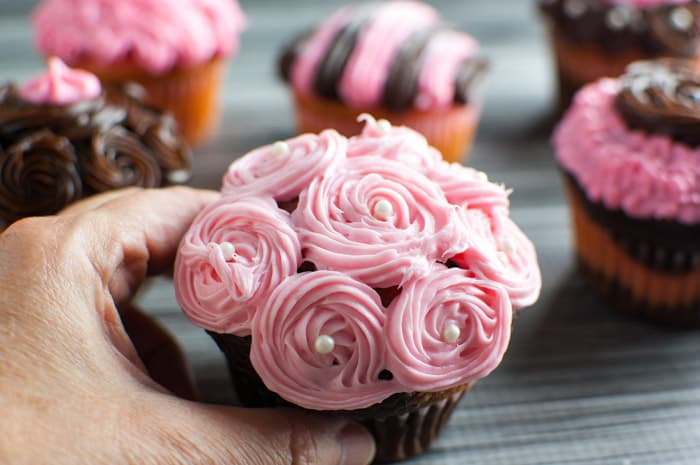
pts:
pixel 132 234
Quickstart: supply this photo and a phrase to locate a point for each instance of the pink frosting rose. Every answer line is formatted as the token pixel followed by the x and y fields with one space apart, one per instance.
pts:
pixel 61 85
pixel 318 342
pixel 233 256
pixel 644 175
pixel 284 169
pixel 377 221
pixel 446 329
pixel 156 35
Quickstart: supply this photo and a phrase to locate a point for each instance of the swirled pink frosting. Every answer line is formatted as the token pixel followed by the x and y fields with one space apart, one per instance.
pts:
pixel 419 357
pixel 376 215
pixel 368 66
pixel 284 169
pixel 499 251
pixel 324 303
pixel 233 256
pixel 61 85
pixel 644 175
pixel 156 35
pixel 647 3
pixel 336 223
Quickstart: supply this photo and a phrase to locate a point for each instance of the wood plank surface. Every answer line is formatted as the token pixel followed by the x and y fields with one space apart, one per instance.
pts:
pixel 580 384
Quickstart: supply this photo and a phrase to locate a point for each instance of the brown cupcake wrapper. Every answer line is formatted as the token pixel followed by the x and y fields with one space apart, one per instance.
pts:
pixel 632 285
pixel 451 131
pixel 403 425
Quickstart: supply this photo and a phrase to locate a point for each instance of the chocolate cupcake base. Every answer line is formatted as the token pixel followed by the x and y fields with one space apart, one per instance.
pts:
pixel 657 278
pixel 403 425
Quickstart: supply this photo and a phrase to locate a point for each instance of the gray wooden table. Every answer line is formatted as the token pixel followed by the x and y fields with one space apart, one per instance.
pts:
pixel 580 384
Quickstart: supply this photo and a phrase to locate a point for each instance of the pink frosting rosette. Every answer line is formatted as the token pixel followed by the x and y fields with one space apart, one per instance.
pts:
pixel 234 254
pixel 399 143
pixel 61 85
pixel 157 35
pixel 285 168
pixel 377 221
pixel 446 329
pixel 318 342
pixel 498 249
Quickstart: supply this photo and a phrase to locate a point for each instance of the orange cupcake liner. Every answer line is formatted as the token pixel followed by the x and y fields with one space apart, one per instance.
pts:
pixel 451 131
pixel 190 94
pixel 666 297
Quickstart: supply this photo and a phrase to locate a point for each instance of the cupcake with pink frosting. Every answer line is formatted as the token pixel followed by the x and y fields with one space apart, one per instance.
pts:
pixel 396 60
pixel 364 277
pixel 629 149
pixel 63 136
pixel 176 49
pixel 592 39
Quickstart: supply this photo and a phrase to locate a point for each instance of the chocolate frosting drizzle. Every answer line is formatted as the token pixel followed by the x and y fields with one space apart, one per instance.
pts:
pixel 614 28
pixel 662 97
pixel 52 155
pixel 401 86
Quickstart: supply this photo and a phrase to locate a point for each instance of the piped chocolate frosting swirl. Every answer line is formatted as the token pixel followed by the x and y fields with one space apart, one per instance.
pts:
pixel 672 29
pixel 662 97
pixel 52 155
pixel 401 86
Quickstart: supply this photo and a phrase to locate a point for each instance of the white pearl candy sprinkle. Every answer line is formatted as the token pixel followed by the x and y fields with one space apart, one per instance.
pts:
pixel 279 148
pixel 384 126
pixel 451 333
pixel 383 210
pixel 681 19
pixel 324 344
pixel 508 246
pixel 227 249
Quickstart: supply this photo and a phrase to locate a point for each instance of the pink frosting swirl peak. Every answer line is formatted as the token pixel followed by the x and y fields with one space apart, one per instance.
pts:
pixel 231 258
pixel 446 329
pixel 318 342
pixel 377 221
pixel 156 35
pixel 284 169
pixel 61 85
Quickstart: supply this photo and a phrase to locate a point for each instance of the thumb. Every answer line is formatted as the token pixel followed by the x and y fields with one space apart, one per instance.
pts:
pixel 197 433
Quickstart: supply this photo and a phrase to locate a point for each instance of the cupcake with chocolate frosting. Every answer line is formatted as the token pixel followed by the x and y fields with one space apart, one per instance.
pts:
pixel 396 60
pixel 629 149
pixel 64 137
pixel 363 277
pixel 592 39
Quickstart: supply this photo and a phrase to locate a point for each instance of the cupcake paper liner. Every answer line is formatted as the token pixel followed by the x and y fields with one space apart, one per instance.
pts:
pixel 451 132
pixel 403 425
pixel 191 94
pixel 638 277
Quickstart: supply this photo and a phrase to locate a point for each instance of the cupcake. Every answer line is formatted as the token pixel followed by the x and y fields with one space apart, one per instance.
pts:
pixel 176 49
pixel 64 137
pixel 363 277
pixel 629 149
pixel 592 39
pixel 394 59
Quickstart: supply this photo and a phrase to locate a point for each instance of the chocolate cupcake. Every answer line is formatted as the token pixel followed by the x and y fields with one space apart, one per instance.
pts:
pixel 63 137
pixel 592 39
pixel 629 151
pixel 360 277
pixel 396 60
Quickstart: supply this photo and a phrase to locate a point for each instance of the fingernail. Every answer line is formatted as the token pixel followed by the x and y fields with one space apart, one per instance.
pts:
pixel 357 445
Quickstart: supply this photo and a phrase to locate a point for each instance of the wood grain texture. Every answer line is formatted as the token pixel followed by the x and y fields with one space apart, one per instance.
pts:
pixel 580 384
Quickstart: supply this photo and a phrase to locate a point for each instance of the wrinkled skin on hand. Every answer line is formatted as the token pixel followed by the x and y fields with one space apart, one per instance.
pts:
pixel 85 377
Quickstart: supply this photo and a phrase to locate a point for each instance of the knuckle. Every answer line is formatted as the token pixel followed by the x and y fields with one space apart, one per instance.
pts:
pixel 303 447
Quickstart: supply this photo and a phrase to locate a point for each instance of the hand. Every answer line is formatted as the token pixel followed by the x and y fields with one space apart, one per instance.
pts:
pixel 73 388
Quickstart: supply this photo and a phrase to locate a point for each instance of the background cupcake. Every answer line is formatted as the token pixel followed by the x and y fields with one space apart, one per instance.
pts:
pixel 363 277
pixel 598 38
pixel 396 60
pixel 628 149
pixel 63 137
pixel 176 49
